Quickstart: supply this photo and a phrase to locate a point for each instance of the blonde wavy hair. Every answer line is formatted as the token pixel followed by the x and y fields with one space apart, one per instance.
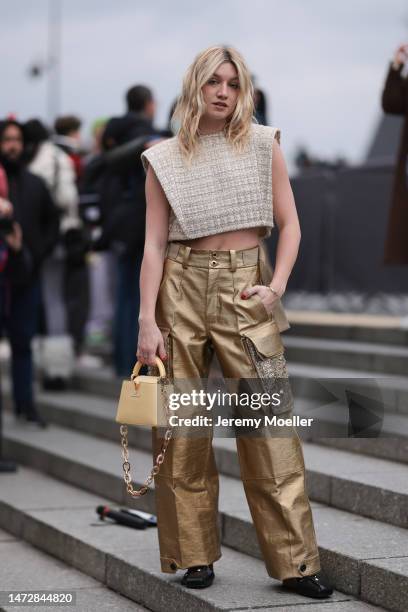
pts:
pixel 191 106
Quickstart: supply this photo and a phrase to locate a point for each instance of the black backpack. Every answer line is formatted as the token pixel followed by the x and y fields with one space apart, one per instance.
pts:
pixel 113 198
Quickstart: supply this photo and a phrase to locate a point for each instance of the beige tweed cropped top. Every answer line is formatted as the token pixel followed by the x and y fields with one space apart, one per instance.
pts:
pixel 221 190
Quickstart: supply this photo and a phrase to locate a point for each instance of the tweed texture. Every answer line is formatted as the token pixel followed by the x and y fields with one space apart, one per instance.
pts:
pixel 222 190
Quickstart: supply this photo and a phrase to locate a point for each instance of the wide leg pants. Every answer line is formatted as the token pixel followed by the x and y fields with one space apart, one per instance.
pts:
pixel 199 310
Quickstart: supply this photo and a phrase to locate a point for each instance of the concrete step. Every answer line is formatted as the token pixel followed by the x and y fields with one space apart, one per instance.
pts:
pixel 330 425
pixel 307 381
pixel 392 444
pixel 102 382
pixel 352 547
pixel 384 329
pixel 60 519
pixel 373 487
pixel 26 568
pixel 368 356
pixel 388 438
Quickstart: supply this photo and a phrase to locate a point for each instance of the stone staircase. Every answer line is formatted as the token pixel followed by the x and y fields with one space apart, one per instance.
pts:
pixel 25 563
pixel 375 355
pixel 358 490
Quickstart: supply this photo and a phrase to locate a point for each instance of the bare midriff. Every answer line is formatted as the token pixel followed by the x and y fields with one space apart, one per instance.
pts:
pixel 237 240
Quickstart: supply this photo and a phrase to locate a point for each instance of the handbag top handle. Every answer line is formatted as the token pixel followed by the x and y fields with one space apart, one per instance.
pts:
pixel 159 363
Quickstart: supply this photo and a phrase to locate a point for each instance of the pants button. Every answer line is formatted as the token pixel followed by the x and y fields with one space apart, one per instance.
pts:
pixel 173 566
pixel 213 263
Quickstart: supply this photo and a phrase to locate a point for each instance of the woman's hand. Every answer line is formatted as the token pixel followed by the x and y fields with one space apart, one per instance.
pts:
pixel 268 298
pixel 150 343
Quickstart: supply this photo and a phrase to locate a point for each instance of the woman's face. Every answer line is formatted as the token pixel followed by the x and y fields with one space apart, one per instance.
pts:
pixel 221 92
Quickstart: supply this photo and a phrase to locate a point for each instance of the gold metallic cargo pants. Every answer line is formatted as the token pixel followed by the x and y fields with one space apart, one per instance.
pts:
pixel 199 310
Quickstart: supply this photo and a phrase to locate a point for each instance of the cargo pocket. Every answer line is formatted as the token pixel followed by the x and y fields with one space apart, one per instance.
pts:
pixel 263 345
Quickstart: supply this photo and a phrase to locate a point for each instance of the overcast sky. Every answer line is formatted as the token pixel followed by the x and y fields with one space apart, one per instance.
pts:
pixel 322 64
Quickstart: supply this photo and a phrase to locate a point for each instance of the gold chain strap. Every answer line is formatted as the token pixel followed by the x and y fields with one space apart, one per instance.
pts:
pixel 159 459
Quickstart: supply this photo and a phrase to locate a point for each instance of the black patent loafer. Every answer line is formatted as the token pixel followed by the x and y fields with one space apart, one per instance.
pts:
pixel 316 586
pixel 198 577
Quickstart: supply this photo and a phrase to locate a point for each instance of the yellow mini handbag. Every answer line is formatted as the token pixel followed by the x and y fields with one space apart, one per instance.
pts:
pixel 142 398
pixel 143 401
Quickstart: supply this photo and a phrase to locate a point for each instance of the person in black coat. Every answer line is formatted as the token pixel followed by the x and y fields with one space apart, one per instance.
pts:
pixel 123 209
pixel 395 102
pixel 35 219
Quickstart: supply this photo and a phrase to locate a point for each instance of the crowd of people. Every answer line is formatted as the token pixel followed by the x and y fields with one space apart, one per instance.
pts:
pixel 71 241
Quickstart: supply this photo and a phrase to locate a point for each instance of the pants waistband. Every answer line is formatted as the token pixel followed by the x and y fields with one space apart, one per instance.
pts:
pixel 212 258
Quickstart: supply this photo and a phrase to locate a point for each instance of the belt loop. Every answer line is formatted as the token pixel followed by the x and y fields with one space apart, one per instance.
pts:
pixel 186 254
pixel 233 259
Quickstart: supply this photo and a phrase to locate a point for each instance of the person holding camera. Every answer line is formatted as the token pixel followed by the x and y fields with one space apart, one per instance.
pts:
pixel 29 224
pixel 395 102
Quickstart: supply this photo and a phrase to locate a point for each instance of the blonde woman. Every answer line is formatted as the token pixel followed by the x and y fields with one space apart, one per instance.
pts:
pixel 205 287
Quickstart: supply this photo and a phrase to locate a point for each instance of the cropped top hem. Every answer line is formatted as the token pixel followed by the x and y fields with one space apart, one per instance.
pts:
pixel 264 232
pixel 222 190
